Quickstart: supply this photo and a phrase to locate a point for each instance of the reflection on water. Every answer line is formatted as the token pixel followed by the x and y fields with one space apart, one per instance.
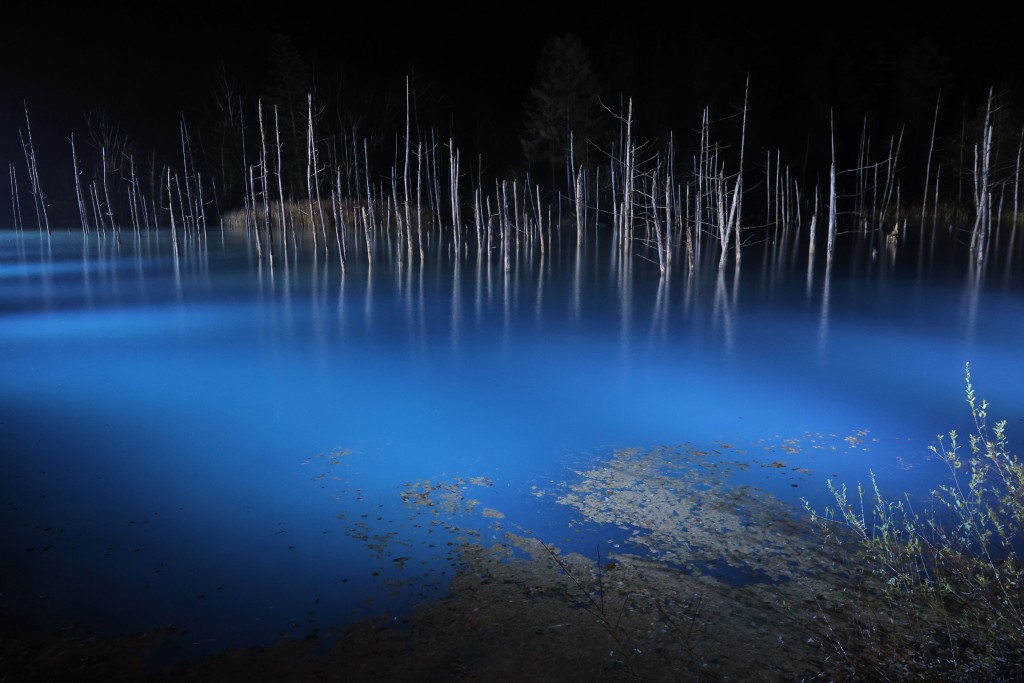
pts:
pixel 826 290
pixel 160 399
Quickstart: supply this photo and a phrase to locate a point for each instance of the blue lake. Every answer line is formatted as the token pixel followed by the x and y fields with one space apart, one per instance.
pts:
pixel 189 438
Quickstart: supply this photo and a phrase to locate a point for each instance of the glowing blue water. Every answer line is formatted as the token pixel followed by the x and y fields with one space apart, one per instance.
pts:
pixel 162 416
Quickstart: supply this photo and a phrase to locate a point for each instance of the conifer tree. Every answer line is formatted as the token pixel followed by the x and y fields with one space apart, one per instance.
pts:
pixel 563 104
pixel 291 82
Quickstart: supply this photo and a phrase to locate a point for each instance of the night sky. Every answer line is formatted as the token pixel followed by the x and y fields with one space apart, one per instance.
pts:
pixel 146 65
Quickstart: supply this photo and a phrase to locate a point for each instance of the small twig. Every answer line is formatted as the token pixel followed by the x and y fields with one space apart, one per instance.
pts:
pixel 598 608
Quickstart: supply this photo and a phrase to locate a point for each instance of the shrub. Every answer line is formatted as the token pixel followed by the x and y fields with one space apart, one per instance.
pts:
pixel 951 603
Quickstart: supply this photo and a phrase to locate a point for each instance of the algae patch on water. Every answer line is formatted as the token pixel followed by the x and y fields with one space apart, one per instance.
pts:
pixel 679 507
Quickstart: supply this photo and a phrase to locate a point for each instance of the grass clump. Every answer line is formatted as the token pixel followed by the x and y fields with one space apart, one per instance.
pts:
pixel 950 584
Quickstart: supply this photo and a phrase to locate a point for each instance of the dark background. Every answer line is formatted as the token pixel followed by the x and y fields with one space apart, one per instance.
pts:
pixel 145 66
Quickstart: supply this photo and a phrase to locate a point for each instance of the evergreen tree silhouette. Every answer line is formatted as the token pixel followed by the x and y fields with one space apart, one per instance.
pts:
pixel 564 101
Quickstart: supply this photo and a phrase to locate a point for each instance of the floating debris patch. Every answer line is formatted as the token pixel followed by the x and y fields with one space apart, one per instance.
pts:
pixel 411 532
pixel 678 506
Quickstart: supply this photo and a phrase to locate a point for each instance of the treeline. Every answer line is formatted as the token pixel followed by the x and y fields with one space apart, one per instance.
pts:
pixel 300 162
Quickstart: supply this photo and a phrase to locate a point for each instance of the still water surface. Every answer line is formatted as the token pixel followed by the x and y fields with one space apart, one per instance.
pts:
pixel 165 416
